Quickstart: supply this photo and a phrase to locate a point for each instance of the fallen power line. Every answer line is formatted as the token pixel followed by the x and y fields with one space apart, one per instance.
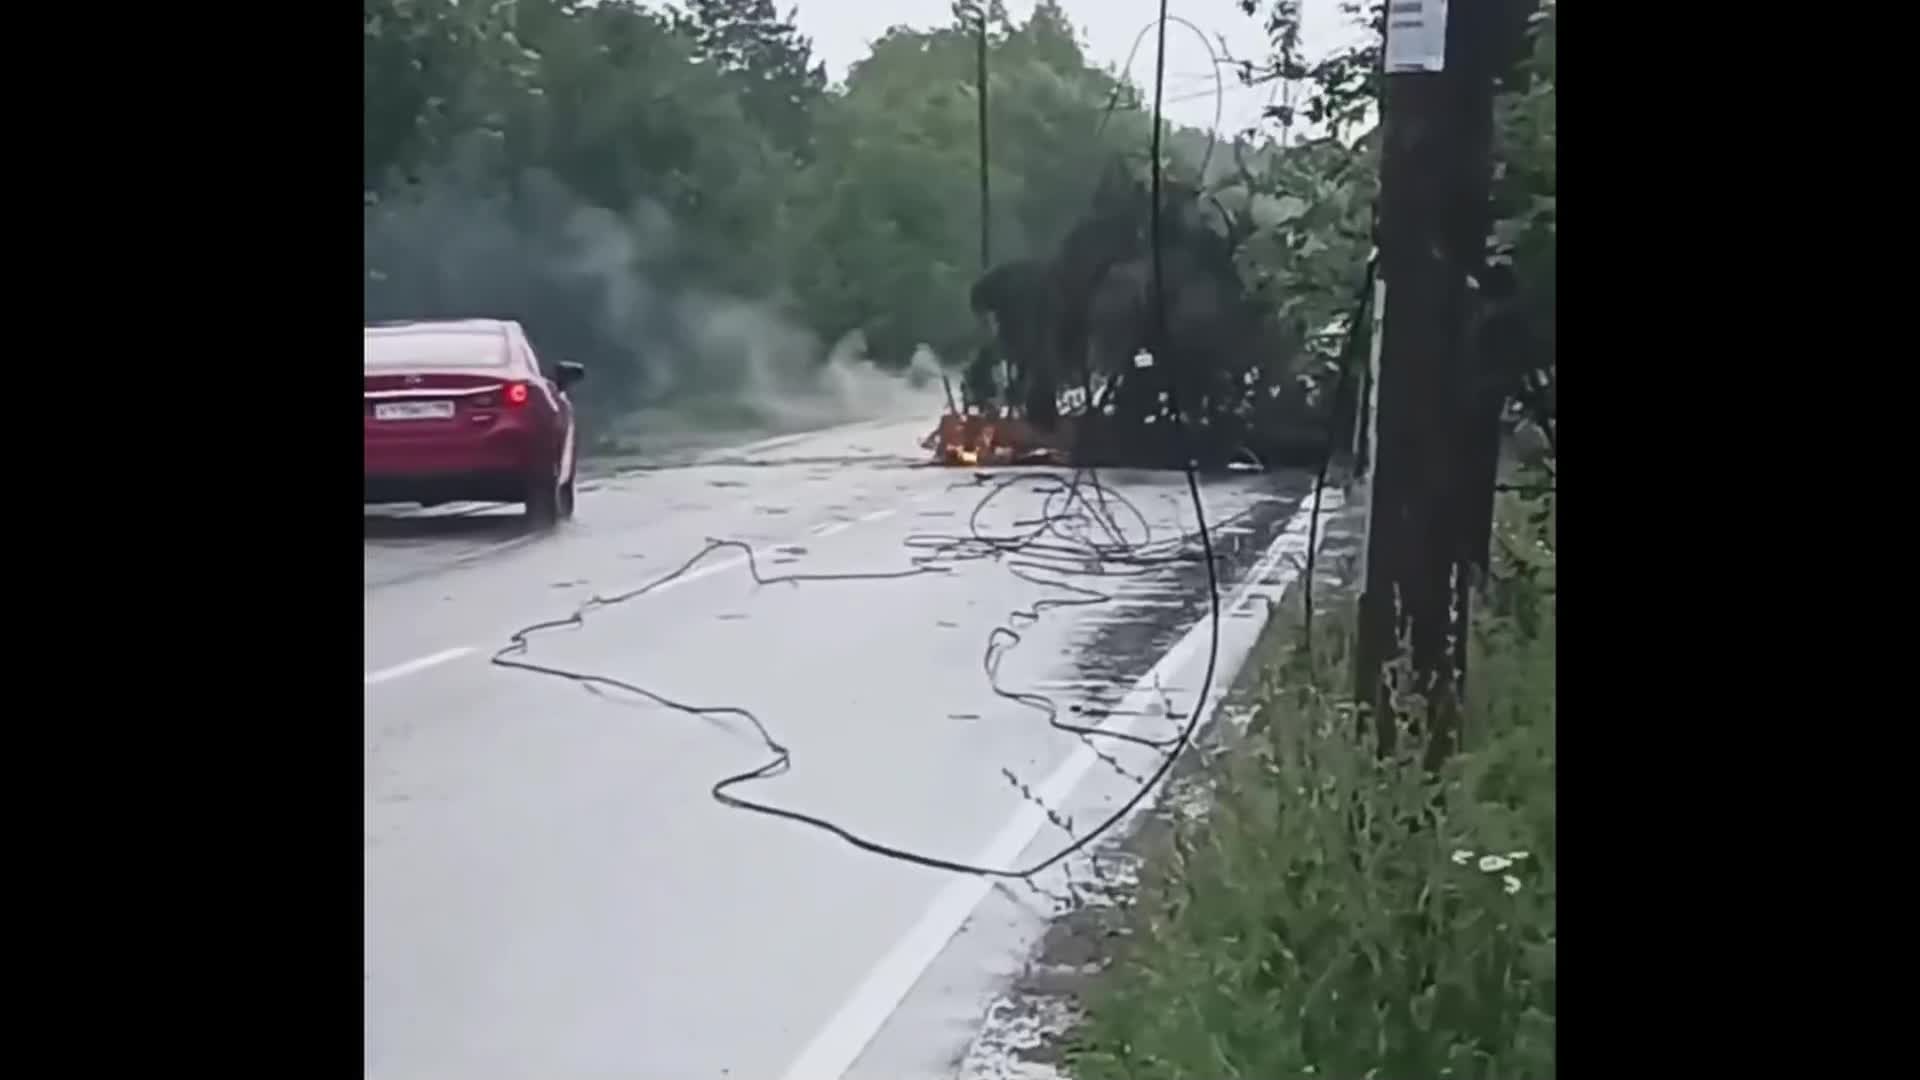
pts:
pixel 1082 536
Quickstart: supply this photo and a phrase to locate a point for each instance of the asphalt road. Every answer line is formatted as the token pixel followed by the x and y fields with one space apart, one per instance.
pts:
pixel 551 891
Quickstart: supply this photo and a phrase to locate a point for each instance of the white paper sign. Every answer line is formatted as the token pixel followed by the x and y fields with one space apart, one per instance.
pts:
pixel 1416 35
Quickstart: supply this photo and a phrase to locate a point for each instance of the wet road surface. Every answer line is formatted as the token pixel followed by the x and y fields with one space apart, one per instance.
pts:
pixel 552 892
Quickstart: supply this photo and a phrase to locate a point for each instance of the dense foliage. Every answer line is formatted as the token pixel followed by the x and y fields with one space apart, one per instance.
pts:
pixel 678 198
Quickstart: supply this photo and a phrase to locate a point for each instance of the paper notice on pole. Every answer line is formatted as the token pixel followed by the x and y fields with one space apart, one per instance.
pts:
pixel 1416 35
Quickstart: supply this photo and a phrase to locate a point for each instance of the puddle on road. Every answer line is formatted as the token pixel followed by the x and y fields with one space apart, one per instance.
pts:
pixel 1124 638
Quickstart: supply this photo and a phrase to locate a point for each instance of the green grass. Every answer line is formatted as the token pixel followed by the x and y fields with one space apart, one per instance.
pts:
pixel 1333 916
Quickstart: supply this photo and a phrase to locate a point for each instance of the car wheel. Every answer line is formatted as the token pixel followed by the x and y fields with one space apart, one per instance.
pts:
pixel 565 502
pixel 545 504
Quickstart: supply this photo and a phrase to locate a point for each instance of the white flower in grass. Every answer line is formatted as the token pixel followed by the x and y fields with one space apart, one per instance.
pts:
pixel 1517 856
pixel 1462 857
pixel 1493 864
pixel 1512 884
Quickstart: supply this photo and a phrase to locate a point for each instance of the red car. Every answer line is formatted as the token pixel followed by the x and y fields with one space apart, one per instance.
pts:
pixel 459 411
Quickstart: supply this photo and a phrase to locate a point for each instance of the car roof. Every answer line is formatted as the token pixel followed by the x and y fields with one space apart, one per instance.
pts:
pixel 461 343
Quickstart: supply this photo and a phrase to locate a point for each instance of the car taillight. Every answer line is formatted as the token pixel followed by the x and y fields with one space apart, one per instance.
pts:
pixel 517 393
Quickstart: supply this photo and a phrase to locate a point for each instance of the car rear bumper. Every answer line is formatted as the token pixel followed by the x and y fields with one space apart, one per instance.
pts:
pixel 495 467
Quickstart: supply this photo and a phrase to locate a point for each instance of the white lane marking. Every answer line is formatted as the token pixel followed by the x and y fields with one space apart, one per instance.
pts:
pixel 846 1035
pixel 733 563
pixel 737 561
pixel 422 664
pixel 692 576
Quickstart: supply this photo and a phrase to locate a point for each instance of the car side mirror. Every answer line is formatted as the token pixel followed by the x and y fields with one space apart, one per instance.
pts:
pixel 566 373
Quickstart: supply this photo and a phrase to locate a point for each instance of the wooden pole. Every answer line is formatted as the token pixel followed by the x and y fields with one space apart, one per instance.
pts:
pixel 1435 174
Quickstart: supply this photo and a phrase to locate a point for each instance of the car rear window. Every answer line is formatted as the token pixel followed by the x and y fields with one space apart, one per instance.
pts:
pixel 435 350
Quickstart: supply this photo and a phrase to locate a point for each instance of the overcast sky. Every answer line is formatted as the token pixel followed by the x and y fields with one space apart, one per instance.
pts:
pixel 842 29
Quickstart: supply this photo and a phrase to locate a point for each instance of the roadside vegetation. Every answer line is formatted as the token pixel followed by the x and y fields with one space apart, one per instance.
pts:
pixel 1340 915
pixel 1343 916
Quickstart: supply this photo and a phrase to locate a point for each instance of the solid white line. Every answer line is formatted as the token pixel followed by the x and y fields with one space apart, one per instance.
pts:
pixel 422 664
pixel 840 1043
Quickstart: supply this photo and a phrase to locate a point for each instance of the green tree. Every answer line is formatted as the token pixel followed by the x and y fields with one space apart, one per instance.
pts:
pixel 588 166
pixel 768 61
pixel 434 71
pixel 900 158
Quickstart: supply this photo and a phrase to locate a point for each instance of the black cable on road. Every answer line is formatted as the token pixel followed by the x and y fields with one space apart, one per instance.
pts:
pixel 937 555
pixel 1059 543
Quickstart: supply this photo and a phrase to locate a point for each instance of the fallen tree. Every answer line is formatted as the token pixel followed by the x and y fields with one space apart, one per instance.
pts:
pixel 1077 333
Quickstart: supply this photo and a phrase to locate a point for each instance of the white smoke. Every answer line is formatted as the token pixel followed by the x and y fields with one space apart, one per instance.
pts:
pixel 602 288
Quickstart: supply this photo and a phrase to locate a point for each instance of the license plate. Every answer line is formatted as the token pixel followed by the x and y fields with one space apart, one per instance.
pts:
pixel 413 410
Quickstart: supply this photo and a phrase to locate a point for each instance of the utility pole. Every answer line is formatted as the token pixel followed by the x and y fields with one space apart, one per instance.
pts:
pixel 1436 114
pixel 979 11
pixel 986 187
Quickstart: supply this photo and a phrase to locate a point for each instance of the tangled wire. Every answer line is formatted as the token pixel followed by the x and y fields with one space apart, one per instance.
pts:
pixel 1081 537
pixel 1085 532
